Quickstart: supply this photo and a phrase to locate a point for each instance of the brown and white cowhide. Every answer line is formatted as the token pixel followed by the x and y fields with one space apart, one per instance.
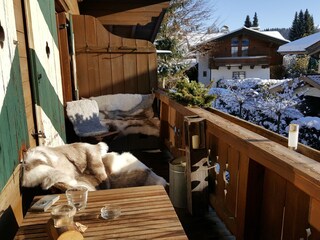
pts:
pixel 84 164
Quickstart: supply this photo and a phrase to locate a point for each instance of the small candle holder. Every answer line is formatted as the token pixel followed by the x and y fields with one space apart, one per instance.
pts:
pixel 293 136
pixel 110 211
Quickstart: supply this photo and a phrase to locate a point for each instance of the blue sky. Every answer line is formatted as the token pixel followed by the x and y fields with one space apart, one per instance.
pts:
pixel 271 13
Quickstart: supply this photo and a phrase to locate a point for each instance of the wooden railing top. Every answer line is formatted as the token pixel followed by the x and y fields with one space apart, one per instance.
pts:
pixel 303 149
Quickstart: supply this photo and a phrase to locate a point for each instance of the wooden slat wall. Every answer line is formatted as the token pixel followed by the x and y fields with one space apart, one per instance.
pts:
pixel 108 64
pixel 24 70
pixel 273 192
pixel 65 59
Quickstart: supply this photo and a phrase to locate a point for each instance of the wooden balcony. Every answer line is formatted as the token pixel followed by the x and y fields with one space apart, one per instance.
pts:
pixel 251 61
pixel 272 193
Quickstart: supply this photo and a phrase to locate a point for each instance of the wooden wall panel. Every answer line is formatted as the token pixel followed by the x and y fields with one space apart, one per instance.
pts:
pixel 232 186
pixel 242 195
pixel 108 64
pixel 65 59
pixel 273 206
pixel 83 75
pixel 24 69
pixel 296 213
pixel 105 74
pixel 143 76
pixel 253 202
pixel 130 74
pixel 153 71
pixel 130 65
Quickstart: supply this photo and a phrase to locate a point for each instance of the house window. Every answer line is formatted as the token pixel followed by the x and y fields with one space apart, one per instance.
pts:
pixel 234 47
pixel 245 47
pixel 239 75
pixel 204 74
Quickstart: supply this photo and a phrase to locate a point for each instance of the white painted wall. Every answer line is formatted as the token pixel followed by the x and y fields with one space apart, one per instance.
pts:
pixel 225 73
pixel 7 51
pixel 203 65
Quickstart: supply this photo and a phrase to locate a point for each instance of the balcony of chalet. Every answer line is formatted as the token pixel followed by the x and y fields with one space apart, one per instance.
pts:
pixel 229 62
pixel 244 180
pixel 256 185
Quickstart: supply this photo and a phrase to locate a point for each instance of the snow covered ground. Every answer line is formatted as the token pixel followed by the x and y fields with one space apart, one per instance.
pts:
pixel 251 100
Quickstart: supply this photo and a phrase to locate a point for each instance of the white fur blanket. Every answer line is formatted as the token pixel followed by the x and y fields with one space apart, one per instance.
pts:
pixel 128 113
pixel 85 164
pixel 120 102
pixel 84 115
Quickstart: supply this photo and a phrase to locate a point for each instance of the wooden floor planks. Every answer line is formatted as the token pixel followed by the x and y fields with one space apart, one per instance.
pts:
pixel 197 228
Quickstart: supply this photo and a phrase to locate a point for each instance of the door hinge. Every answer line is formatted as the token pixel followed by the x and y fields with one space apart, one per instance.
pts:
pixel 63 26
pixel 38 134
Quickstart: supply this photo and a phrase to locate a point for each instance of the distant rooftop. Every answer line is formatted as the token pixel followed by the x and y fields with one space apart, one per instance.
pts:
pixel 198 39
pixel 301 45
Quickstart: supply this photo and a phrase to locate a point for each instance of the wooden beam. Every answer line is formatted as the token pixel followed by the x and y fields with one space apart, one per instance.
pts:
pixel 69 6
pixel 314 217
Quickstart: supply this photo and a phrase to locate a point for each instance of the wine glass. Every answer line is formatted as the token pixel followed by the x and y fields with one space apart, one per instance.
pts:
pixel 77 197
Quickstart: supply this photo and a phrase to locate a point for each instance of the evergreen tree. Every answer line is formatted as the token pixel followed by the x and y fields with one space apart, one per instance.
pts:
pixel 255 22
pixel 247 22
pixel 302 25
pixel 293 35
pixel 309 24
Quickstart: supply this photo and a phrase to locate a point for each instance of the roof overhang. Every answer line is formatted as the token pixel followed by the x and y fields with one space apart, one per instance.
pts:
pixel 139 19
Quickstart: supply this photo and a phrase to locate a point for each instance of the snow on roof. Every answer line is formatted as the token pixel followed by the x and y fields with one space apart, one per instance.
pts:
pixel 198 39
pixel 274 34
pixel 195 39
pixel 300 45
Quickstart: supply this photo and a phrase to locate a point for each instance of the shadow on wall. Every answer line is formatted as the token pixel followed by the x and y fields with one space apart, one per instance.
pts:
pixel 8 224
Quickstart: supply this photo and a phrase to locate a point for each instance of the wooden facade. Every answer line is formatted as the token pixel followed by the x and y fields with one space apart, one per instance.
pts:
pixel 108 64
pixel 262 50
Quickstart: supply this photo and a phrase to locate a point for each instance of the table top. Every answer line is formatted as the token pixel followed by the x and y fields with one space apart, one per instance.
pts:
pixel 146 213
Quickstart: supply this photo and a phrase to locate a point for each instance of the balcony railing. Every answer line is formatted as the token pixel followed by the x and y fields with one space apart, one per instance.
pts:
pixel 239 61
pixel 271 192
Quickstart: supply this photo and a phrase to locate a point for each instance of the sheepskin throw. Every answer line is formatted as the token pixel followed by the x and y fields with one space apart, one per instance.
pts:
pixel 90 165
pixel 128 113
pixel 84 115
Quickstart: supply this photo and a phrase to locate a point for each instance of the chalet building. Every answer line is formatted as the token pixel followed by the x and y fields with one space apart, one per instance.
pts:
pixel 243 53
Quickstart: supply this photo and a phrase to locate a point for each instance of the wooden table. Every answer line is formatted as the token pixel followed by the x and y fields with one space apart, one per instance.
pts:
pixel 146 213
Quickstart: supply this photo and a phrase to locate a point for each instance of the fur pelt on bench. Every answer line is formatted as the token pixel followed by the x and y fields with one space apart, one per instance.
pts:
pixel 128 113
pixel 85 164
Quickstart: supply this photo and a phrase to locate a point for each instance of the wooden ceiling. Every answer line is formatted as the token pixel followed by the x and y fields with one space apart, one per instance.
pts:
pixel 139 19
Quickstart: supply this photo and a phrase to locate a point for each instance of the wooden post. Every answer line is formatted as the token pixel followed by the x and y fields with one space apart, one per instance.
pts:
pixel 196 168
